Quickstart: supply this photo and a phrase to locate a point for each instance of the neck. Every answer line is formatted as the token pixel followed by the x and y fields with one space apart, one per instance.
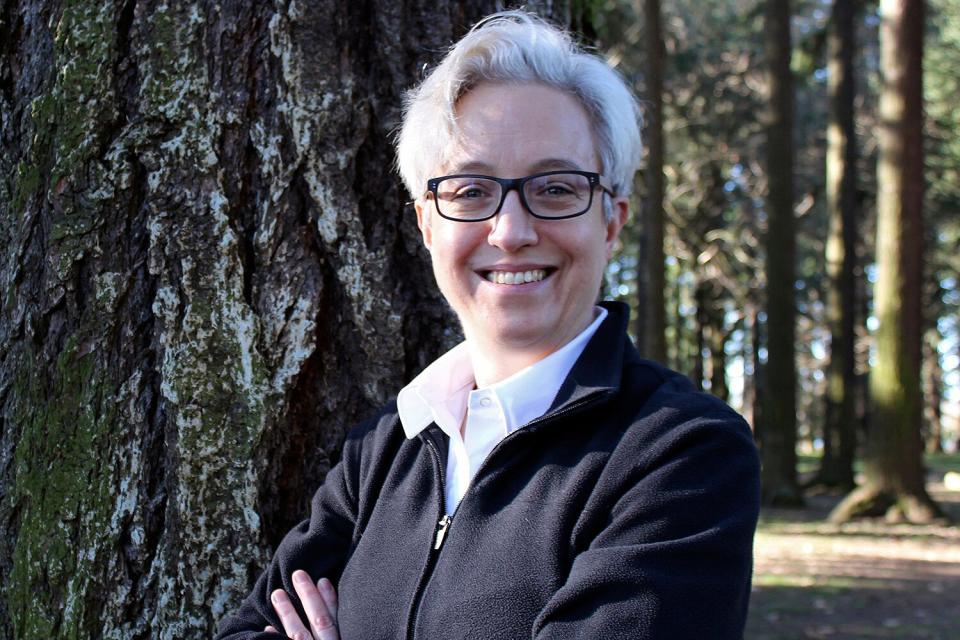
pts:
pixel 494 361
pixel 491 365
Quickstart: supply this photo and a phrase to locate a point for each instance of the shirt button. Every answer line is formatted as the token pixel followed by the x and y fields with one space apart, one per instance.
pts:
pixel 485 402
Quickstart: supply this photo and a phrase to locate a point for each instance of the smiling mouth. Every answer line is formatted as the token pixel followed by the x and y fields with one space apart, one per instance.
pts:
pixel 515 277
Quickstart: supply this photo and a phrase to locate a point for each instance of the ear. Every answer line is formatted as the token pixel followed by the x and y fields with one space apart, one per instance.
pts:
pixel 423 223
pixel 621 211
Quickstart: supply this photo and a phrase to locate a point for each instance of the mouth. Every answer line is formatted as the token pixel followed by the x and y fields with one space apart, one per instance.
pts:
pixel 516 277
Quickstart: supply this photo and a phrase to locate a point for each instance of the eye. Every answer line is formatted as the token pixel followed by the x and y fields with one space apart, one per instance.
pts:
pixel 471 192
pixel 555 188
pixel 558 189
pixel 467 189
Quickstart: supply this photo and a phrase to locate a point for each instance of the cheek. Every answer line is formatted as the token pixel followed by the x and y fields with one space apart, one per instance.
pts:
pixel 448 263
pixel 454 246
pixel 593 262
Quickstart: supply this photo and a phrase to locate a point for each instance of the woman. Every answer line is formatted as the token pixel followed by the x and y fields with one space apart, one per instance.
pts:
pixel 540 479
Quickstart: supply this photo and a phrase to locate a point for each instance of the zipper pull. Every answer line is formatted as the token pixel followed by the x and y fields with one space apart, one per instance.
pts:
pixel 442 527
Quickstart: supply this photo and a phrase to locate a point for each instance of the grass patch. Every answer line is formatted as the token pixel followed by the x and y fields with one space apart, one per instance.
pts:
pixel 826 586
pixel 808 463
pixel 942 462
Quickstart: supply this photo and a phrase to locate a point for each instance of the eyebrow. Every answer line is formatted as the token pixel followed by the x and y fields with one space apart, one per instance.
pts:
pixel 547 164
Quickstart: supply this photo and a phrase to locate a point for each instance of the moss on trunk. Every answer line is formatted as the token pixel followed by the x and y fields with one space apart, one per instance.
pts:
pixel 209 276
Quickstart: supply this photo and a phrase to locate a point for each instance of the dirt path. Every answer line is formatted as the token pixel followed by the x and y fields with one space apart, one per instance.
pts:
pixel 859 580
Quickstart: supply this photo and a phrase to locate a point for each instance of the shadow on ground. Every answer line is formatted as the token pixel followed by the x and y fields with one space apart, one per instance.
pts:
pixel 855 611
pixel 866 579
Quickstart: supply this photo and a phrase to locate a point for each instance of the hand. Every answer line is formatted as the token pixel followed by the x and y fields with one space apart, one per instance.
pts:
pixel 319 602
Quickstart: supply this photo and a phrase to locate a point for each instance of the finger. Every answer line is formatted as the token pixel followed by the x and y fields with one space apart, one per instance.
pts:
pixel 269 629
pixel 292 625
pixel 321 621
pixel 329 595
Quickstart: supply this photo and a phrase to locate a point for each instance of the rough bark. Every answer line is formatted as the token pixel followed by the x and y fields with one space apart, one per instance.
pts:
pixel 778 451
pixel 893 463
pixel 839 431
pixel 208 274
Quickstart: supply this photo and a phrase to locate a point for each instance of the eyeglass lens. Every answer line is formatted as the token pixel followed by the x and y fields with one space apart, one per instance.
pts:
pixel 556 195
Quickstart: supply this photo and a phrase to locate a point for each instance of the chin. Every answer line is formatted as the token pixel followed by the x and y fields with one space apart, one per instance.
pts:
pixel 520 333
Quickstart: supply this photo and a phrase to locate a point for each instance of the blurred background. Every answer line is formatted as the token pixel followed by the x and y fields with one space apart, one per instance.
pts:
pixel 800 252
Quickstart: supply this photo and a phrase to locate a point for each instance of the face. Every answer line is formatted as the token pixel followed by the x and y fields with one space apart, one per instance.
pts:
pixel 510 131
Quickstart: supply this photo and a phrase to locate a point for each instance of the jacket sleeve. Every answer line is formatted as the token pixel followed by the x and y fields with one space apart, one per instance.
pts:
pixel 671 555
pixel 319 545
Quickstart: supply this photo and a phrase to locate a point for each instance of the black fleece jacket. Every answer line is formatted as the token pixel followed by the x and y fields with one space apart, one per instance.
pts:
pixel 626 511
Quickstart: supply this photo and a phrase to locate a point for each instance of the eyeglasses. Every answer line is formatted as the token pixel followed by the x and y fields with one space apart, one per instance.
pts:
pixel 552 195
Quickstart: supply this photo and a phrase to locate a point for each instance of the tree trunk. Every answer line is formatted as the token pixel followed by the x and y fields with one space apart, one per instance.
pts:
pixel 718 358
pixel 893 464
pixel 779 474
pixel 750 364
pixel 839 431
pixel 700 340
pixel 759 381
pixel 654 309
pixel 637 235
pixel 679 338
pixel 933 394
pixel 209 274
pixel 956 409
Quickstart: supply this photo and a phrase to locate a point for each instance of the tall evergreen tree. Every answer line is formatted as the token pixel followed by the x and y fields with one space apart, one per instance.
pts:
pixel 941 58
pixel 893 464
pixel 653 308
pixel 839 431
pixel 933 393
pixel 779 433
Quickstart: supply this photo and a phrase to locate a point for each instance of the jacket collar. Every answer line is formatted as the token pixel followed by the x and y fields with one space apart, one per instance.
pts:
pixel 442 391
pixel 600 367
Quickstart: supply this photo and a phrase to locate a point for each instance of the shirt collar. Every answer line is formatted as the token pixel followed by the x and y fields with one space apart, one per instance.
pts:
pixel 439 394
pixel 527 394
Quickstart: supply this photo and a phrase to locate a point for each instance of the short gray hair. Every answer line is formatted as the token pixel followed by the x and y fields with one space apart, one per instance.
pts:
pixel 518 47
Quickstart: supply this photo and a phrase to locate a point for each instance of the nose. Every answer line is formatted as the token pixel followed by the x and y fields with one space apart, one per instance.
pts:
pixel 513 227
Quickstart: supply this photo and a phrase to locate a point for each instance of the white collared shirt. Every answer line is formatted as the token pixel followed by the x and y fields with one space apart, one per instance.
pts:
pixel 444 392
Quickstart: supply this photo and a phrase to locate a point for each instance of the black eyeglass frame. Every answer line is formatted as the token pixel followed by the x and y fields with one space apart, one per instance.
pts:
pixel 509 184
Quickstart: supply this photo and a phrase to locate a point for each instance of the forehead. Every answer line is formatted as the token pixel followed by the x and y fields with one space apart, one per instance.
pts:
pixel 514 129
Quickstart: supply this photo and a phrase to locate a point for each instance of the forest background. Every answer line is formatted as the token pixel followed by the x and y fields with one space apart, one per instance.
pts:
pixel 210 272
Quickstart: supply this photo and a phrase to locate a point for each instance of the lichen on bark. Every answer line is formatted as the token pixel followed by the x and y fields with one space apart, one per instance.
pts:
pixel 214 380
pixel 64 494
pixel 61 410
pixel 209 275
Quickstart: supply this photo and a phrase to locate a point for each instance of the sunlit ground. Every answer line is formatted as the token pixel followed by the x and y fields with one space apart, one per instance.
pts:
pixel 865 579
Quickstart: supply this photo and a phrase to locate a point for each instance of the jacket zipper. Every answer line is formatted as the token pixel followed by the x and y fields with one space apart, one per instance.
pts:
pixel 440 533
pixel 442 527
pixel 446 520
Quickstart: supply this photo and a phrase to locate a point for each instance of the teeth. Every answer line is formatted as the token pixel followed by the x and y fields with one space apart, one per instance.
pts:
pixel 516 277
